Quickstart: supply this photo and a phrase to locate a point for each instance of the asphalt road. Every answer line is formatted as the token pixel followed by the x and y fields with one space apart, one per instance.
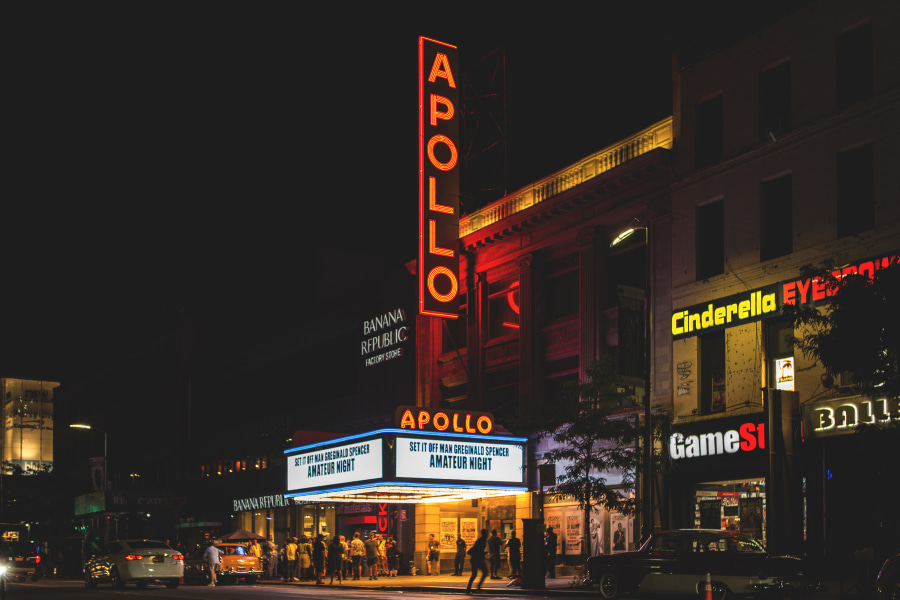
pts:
pixel 51 589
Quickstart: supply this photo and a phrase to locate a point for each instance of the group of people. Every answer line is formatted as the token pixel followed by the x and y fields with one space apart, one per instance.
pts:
pixel 494 547
pixel 491 547
pixel 311 559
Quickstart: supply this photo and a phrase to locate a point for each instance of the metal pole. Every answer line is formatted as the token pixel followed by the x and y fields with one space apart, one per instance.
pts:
pixel 647 500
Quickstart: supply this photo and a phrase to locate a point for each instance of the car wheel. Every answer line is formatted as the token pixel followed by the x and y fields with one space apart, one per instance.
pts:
pixel 89 582
pixel 116 579
pixel 172 584
pixel 609 586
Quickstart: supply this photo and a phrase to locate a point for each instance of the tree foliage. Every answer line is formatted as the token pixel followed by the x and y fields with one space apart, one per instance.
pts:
pixel 595 430
pixel 858 331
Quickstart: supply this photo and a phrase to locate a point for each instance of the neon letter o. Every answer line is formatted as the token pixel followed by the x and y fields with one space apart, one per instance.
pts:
pixel 441 421
pixel 454 285
pixel 445 140
pixel 488 425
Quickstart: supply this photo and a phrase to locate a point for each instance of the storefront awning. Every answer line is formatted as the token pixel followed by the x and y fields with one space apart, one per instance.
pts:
pixel 406 466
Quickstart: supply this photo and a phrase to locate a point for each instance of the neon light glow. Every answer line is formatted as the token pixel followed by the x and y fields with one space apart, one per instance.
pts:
pixel 432 199
pixel 441 68
pixel 445 115
pixel 442 139
pixel 438 180
pixel 454 286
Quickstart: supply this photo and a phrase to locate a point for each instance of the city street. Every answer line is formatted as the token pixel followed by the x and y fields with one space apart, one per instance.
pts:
pixel 409 587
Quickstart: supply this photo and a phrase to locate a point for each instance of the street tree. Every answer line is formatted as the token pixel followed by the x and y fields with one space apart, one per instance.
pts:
pixel 595 431
pixel 857 330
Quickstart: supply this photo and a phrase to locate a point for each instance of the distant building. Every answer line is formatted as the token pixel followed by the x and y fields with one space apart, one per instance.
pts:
pixel 27 443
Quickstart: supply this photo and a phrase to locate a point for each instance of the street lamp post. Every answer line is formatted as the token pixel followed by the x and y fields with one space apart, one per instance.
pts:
pixel 647 475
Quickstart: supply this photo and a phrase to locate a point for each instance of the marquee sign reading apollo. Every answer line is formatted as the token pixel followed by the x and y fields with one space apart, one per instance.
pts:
pixel 438 261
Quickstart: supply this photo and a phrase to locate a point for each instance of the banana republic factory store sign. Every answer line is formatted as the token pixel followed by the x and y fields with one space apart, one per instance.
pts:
pixel 433 456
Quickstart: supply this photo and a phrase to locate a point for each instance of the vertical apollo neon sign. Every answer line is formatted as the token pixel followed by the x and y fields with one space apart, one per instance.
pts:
pixel 438 268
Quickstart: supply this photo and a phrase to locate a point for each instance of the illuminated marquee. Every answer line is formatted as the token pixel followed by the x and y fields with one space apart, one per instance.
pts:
pixel 438 261
pixel 459 459
pixel 842 415
pixel 450 421
pixel 746 438
pixel 329 466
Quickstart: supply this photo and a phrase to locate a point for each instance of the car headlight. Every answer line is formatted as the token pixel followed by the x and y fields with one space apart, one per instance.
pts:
pixel 2 570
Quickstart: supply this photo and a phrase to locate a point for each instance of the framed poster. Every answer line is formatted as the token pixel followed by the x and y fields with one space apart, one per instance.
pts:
pixel 448 534
pixel 620 533
pixel 573 531
pixel 596 531
pixel 468 530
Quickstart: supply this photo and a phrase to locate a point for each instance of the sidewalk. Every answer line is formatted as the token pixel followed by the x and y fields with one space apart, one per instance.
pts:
pixel 564 585
pixel 450 584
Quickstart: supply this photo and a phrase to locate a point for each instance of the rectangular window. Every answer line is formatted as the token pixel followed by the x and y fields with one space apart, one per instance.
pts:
pixel 503 307
pixel 709 142
pixel 712 373
pixel 854 71
pixel 856 190
pixel 775 101
pixel 776 224
pixel 710 221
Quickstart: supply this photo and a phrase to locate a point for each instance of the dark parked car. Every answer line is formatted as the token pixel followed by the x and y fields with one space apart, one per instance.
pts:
pixel 20 560
pixel 887 584
pixel 676 562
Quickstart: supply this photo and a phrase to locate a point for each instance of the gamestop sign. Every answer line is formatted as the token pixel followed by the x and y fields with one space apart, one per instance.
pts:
pixel 438 262
pixel 746 438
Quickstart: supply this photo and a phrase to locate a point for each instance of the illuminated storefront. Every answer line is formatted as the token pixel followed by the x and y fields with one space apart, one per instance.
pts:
pixel 378 481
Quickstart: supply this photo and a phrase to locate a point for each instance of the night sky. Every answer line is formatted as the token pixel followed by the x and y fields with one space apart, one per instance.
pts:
pixel 238 163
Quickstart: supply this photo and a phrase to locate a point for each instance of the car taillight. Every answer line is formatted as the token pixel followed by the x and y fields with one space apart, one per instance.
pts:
pixel 178 557
pixel 133 557
pixel 37 559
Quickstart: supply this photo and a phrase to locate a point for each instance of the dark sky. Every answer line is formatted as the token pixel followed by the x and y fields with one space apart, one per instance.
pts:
pixel 236 161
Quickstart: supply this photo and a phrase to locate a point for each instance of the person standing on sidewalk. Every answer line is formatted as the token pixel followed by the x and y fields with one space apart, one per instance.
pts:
pixel 357 551
pixel 434 555
pixel 459 562
pixel 290 557
pixel 551 553
pixel 494 544
pixel 372 556
pixel 514 546
pixel 476 552
pixel 271 558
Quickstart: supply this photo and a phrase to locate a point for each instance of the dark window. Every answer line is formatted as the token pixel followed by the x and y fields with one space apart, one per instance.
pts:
pixel 709 132
pixel 775 101
pixel 776 218
pixel 710 240
pixel 853 66
pixel 503 307
pixel 712 373
pixel 856 190
pixel 561 293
